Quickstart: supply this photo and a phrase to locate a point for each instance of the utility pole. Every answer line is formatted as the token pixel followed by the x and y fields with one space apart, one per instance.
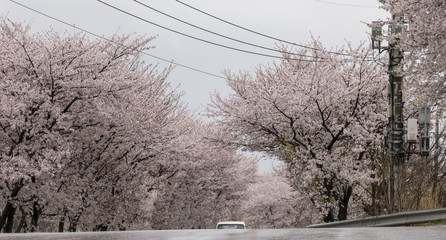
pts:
pixel 439 116
pixel 395 131
pixel 396 121
pixel 395 136
pixel 395 95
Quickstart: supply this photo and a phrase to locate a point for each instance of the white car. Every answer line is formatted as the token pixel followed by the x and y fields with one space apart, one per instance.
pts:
pixel 231 225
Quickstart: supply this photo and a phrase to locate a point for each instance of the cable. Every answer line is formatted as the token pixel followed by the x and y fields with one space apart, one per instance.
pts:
pixel 195 38
pixel 344 4
pixel 378 61
pixel 255 32
pixel 109 40
pixel 142 52
pixel 212 32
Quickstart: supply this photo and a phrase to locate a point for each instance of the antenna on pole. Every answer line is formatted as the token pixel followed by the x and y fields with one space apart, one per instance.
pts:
pixel 395 133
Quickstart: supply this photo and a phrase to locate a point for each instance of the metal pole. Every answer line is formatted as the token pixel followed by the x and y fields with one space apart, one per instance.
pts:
pixel 439 116
pixel 396 123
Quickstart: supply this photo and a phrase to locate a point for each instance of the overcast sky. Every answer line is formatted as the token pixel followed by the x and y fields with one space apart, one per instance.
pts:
pixel 334 22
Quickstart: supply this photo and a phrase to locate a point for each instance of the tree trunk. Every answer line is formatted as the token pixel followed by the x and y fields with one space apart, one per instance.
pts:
pixel 10 220
pixel 9 207
pixel 37 210
pixel 72 227
pixel 328 185
pixel 329 216
pixel 5 215
pixel 61 224
pixel 22 223
pixel 343 204
pixel 73 222
pixel 100 227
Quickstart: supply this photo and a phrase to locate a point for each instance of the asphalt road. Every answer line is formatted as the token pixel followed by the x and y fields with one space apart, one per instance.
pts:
pixel 397 233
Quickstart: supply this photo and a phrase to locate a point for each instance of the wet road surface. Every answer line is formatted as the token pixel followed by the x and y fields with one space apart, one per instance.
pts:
pixel 403 233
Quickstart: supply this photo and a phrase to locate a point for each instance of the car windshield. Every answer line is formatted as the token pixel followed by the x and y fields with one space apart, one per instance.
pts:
pixel 230 226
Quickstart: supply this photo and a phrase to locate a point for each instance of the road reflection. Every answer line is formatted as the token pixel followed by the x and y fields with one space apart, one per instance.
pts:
pixel 399 233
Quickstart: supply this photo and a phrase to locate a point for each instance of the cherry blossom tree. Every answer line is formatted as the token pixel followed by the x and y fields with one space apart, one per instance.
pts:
pixel 209 184
pixel 92 138
pixel 319 116
pixel 273 203
pixel 80 119
pixel 423 42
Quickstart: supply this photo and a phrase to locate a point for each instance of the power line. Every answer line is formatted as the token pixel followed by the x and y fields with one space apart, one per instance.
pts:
pixel 120 44
pixel 195 38
pixel 109 40
pixel 253 31
pixel 344 4
pixel 215 33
